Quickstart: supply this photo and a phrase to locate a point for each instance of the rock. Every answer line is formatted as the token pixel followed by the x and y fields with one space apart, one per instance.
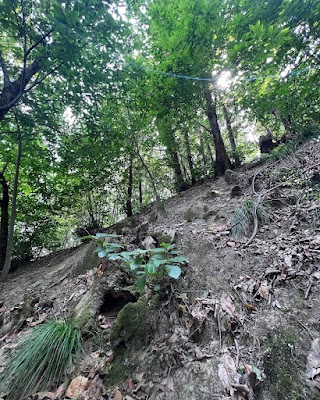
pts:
pixel 166 236
pixel 77 386
pixel 148 243
pixel 236 191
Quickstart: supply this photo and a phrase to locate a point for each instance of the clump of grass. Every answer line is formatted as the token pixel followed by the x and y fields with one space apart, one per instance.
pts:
pixel 42 358
pixel 244 215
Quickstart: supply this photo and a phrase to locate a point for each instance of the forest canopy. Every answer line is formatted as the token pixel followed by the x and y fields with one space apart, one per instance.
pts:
pixel 106 106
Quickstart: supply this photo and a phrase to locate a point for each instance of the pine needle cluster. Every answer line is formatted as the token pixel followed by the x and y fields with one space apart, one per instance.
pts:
pixel 43 358
pixel 244 215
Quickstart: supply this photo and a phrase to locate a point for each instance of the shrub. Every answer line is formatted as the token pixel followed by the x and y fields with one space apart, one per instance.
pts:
pixel 42 359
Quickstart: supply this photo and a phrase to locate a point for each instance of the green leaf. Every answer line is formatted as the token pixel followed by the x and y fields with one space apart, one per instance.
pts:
pixel 179 259
pixel 102 253
pixel 104 235
pixel 174 271
pixel 141 282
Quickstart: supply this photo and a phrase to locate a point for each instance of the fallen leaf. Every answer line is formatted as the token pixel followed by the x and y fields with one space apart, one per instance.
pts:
pixel 117 394
pixel 77 386
pixel 41 319
pixel 227 372
pixel 264 289
pixel 227 304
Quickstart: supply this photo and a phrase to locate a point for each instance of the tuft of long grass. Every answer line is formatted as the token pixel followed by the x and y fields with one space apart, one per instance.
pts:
pixel 243 217
pixel 42 359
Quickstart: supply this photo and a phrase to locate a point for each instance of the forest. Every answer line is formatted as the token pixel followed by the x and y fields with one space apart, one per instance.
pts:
pixel 159 199
pixel 107 106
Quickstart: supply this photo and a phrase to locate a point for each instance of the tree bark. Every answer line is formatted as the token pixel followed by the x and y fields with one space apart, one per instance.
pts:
pixel 203 153
pixel 7 263
pixel 222 162
pixel 231 135
pixel 189 156
pixel 129 189
pixel 4 223
pixel 140 193
pixel 13 91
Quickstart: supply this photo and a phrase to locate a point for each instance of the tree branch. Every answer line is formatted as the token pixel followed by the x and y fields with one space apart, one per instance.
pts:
pixel 30 71
pixel 6 79
pixel 38 81
pixel 36 44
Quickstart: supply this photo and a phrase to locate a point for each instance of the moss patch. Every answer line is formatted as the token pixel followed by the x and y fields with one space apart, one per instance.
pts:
pixel 282 366
pixel 129 328
pixel 117 373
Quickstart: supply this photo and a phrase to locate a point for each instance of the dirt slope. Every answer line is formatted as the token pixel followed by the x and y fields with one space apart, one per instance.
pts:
pixel 239 324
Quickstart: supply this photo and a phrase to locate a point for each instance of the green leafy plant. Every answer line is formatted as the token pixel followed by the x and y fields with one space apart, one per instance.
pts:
pixel 158 262
pixel 43 358
pixel 243 217
pixel 104 248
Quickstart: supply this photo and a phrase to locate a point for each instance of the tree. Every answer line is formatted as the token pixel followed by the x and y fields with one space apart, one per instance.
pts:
pixel 42 38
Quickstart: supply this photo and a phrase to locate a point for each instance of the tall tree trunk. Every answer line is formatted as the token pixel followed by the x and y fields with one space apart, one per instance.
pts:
pixel 189 156
pixel 231 135
pixel 140 193
pixel 180 183
pixel 203 153
pixel 130 188
pixel 4 223
pixel 222 162
pixel 7 263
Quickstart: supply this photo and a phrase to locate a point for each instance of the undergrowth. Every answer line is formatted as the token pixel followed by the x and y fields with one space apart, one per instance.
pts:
pixel 243 217
pixel 285 149
pixel 42 359
pixel 154 263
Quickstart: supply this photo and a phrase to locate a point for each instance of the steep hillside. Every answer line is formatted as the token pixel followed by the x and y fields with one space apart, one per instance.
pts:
pixel 241 323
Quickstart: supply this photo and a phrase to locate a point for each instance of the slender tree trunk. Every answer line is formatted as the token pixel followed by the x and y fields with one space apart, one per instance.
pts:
pixel 180 183
pixel 140 192
pixel 202 151
pixel 222 162
pixel 4 223
pixel 189 156
pixel 7 263
pixel 231 135
pixel 130 189
pixel 93 222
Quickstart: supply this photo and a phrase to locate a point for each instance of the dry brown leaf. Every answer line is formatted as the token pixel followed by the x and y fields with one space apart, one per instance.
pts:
pixel 313 363
pixel 117 394
pixel 264 289
pixel 168 382
pixel 77 386
pixel 227 304
pixel 227 372
pixel 41 319
pixel 130 385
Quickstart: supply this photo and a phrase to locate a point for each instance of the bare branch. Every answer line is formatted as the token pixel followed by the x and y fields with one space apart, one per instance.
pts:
pixel 36 44
pixel 38 81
